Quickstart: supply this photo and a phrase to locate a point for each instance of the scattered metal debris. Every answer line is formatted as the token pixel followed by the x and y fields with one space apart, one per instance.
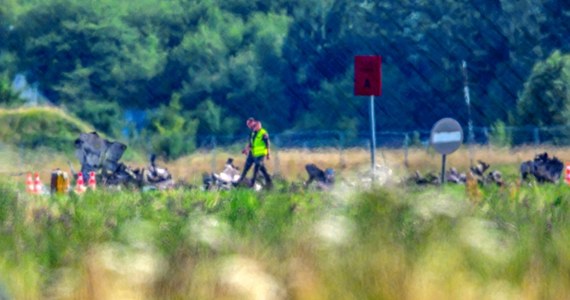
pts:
pixel 476 172
pixel 102 157
pixel 324 180
pixel 227 179
pixel 543 168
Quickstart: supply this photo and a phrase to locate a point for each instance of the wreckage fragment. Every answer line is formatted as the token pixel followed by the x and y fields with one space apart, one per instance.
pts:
pixel 324 179
pixel 543 168
pixel 476 172
pixel 95 153
pixel 102 157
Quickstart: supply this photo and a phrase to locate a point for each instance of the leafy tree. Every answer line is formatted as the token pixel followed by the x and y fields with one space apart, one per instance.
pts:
pixel 76 86
pixel 286 62
pixel 171 133
pixel 240 68
pixel 336 106
pixel 545 100
pixel 262 88
pixel 8 98
pixel 105 116
pixel 214 119
pixel 8 11
pixel 62 35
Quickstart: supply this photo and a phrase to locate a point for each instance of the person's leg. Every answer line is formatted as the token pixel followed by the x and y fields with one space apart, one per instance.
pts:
pixel 248 163
pixel 263 169
pixel 258 161
pixel 260 166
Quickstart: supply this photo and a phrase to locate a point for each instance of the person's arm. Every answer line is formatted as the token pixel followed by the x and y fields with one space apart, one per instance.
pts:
pixel 266 141
pixel 247 147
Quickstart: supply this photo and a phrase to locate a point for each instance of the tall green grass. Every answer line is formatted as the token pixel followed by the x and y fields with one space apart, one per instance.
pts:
pixel 392 242
pixel 35 127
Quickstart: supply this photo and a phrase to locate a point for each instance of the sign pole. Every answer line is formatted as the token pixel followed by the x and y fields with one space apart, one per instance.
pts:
pixel 443 169
pixel 368 82
pixel 373 136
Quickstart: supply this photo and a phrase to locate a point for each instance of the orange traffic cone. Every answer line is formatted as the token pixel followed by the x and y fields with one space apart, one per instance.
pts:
pixel 80 184
pixel 38 186
pixel 91 183
pixel 30 187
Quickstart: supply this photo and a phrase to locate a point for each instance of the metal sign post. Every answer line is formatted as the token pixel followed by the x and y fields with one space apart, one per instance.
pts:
pixel 446 137
pixel 368 82
pixel 373 137
pixel 443 168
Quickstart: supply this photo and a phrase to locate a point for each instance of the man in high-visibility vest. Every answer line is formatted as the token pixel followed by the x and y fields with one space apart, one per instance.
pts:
pixel 257 151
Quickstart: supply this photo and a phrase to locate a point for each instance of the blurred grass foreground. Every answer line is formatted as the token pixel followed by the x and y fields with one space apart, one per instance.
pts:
pixel 383 243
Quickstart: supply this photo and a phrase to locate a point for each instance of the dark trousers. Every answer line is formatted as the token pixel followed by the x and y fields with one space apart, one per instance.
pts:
pixel 259 166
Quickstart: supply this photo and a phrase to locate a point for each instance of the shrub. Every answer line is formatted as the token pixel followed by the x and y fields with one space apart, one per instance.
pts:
pixel 171 133
pixel 499 135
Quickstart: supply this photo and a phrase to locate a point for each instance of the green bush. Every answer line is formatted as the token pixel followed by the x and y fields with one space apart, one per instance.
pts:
pixel 499 135
pixel 8 98
pixel 546 95
pixel 171 133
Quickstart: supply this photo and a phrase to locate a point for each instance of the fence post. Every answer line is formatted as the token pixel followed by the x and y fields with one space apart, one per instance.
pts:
pixel 536 137
pixel 486 134
pixel 341 141
pixel 406 146
pixel 213 162
pixel 276 163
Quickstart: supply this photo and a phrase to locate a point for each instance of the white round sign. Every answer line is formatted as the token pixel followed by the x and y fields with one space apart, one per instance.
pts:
pixel 446 136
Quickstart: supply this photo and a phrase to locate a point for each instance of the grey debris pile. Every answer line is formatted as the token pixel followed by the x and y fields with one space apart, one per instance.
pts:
pixel 324 180
pixel 225 180
pixel 95 153
pixel 543 168
pixel 102 157
pixel 477 172
pixel 428 179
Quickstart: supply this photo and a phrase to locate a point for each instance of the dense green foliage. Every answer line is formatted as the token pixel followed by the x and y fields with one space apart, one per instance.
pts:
pixel 289 63
pixel 8 97
pixel 545 100
pixel 383 243
pixel 170 131
pixel 499 136
pixel 546 97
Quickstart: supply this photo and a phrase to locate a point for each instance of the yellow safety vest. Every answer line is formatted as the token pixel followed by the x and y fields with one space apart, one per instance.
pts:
pixel 258 146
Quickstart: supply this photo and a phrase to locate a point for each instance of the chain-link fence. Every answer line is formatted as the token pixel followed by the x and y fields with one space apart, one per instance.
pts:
pixel 18 157
pixel 505 136
pixel 335 143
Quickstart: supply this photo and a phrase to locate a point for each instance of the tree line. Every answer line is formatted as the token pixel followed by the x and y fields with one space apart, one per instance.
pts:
pixel 196 67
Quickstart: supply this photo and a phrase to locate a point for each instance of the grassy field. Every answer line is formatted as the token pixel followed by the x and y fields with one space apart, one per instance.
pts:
pixel 289 164
pixel 386 242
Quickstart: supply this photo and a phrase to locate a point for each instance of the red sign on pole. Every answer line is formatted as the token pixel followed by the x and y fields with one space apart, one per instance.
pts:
pixel 567 177
pixel 367 75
